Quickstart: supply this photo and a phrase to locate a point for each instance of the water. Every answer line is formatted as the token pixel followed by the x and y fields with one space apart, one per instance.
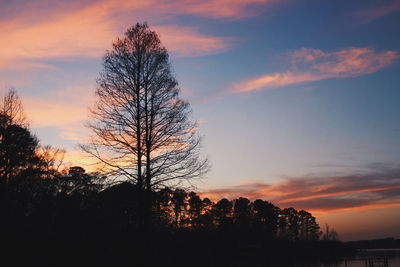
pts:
pixel 392 255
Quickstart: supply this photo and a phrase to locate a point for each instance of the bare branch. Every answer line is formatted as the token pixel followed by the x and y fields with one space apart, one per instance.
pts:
pixel 141 128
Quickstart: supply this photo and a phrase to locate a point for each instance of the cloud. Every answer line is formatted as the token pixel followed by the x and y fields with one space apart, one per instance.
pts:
pixel 61 108
pixel 64 29
pixel 217 9
pixel 186 42
pixel 368 15
pixel 65 109
pixel 309 65
pixel 23 65
pixel 78 157
pixel 374 189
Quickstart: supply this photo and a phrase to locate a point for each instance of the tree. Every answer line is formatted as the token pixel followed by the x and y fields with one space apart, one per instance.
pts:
pixel 78 181
pixel 289 224
pixel 11 110
pixel 265 217
pixel 142 130
pixel 17 150
pixel 242 212
pixel 223 212
pixel 330 234
pixel 179 205
pixel 18 147
pixel 195 209
pixel 309 229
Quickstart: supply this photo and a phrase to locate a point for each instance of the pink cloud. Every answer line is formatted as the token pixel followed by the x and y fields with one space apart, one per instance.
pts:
pixel 60 29
pixel 313 65
pixel 217 9
pixel 78 157
pixel 232 9
pixel 324 193
pixel 370 14
pixel 62 108
pixel 23 65
pixel 186 42
pixel 274 80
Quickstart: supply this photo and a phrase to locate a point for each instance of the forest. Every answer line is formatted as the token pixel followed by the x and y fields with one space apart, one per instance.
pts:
pixel 133 209
pixel 83 212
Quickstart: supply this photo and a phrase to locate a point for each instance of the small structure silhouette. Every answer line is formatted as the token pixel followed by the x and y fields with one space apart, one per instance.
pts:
pixel 371 261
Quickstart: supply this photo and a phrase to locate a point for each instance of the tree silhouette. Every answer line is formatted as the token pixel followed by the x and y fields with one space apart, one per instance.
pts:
pixel 223 212
pixel 242 212
pixel 11 109
pixel 142 129
pixel 78 181
pixel 309 229
pixel 178 200
pixel 265 217
pixel 18 147
pixel 195 209
pixel 330 234
pixel 289 224
pixel 206 214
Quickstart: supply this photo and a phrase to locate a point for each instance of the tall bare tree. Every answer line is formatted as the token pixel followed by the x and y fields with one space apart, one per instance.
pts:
pixel 142 130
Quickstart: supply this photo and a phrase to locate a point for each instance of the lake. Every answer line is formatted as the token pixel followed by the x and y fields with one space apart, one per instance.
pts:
pixel 392 256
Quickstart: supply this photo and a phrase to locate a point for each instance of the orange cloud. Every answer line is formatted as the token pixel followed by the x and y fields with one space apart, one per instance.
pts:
pixel 217 9
pixel 274 80
pixel 377 189
pixel 21 65
pixel 339 193
pixel 186 42
pixel 66 109
pixel 84 32
pixel 371 223
pixel 79 158
pixel 358 208
pixel 59 108
pixel 76 29
pixel 313 65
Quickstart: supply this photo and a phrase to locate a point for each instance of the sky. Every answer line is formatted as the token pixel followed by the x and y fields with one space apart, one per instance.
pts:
pixel 297 100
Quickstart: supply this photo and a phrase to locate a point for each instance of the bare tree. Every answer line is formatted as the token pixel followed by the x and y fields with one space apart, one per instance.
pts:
pixel 11 109
pixel 142 129
pixel 20 150
pixel 18 146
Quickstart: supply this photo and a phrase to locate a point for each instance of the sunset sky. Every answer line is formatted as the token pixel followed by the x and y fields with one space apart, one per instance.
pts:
pixel 297 100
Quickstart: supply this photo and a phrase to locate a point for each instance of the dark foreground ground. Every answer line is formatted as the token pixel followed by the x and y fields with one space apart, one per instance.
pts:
pixel 179 250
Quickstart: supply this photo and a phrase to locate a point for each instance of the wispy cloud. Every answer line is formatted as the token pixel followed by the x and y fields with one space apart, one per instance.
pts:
pixel 381 9
pixel 378 188
pixel 187 42
pixel 63 29
pixel 65 110
pixel 78 157
pixel 60 108
pixel 310 65
pixel 15 65
pixel 218 9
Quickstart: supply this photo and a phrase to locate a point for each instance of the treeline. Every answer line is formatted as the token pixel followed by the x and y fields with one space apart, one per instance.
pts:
pixel 66 204
pixel 51 214
pixel 383 243
pixel 184 210
pixel 73 215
